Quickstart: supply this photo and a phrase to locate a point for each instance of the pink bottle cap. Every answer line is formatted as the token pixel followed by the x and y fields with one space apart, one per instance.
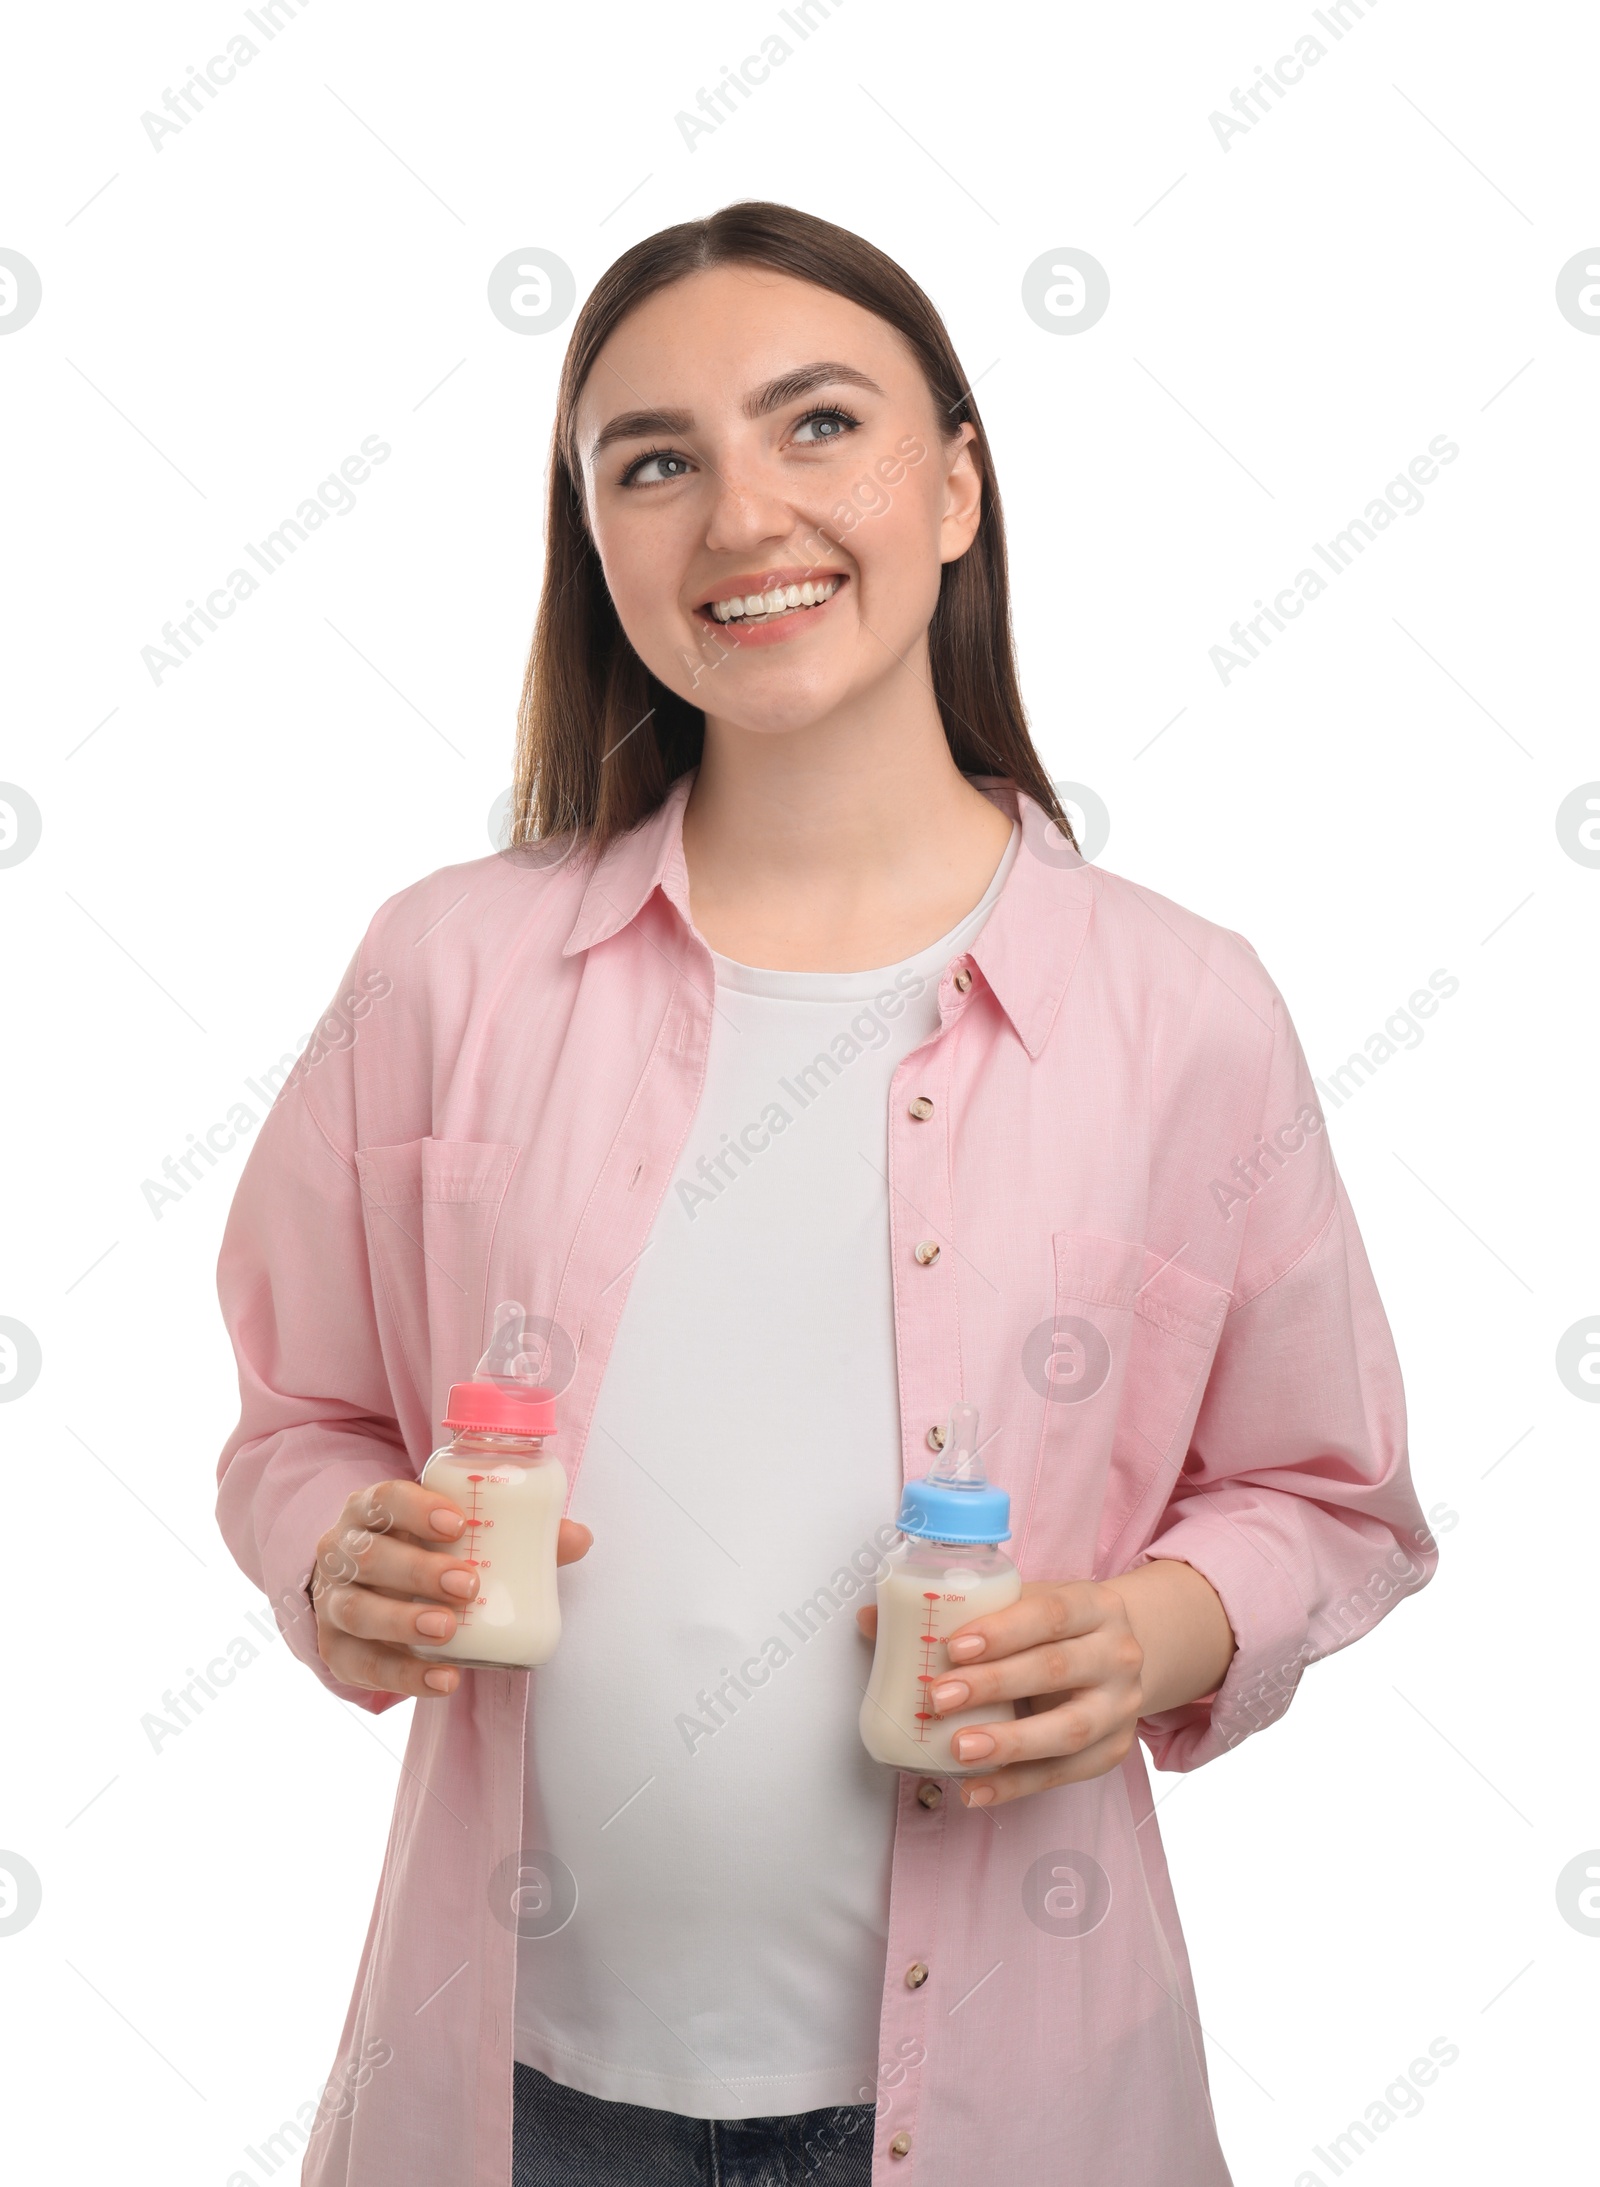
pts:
pixel 496 1410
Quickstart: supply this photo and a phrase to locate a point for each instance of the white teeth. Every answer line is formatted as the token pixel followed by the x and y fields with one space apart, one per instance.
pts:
pixel 776 602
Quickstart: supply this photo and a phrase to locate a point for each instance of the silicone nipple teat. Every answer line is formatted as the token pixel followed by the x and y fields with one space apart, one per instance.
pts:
pixel 514 1353
pixel 960 1462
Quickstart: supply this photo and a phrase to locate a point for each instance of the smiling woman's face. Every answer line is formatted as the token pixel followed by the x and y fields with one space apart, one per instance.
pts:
pixel 752 444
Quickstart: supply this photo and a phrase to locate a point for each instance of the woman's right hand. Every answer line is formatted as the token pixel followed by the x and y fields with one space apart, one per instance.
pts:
pixel 386 1548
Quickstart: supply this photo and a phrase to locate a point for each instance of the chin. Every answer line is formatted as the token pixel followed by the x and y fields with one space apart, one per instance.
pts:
pixel 773 701
pixel 787 713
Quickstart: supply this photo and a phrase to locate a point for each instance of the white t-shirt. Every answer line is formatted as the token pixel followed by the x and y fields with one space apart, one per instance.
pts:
pixel 694 1760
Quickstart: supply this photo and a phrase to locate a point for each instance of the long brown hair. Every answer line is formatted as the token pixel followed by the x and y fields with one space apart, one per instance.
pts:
pixel 600 740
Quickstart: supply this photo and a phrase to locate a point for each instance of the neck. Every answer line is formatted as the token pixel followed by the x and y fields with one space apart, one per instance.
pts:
pixel 839 845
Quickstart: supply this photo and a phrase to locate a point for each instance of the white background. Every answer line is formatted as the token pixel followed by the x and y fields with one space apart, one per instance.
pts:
pixel 1292 319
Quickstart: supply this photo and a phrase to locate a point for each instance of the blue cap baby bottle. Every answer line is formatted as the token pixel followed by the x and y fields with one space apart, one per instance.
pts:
pixel 946 1569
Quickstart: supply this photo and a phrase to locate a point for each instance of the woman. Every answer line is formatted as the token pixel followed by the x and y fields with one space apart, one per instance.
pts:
pixel 802 1079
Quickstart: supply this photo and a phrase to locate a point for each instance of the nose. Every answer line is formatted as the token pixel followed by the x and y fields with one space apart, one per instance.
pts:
pixel 749 510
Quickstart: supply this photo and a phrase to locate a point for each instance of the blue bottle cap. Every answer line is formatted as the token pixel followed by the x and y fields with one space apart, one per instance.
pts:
pixel 955 1511
pixel 955 1503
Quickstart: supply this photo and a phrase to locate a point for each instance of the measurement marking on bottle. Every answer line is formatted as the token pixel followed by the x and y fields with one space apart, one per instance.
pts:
pixel 929 1639
pixel 474 1520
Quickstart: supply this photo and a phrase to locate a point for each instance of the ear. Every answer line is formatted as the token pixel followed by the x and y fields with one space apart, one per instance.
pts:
pixel 963 502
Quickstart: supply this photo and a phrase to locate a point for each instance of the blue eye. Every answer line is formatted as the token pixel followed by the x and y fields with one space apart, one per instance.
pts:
pixel 831 424
pixel 660 466
pixel 672 467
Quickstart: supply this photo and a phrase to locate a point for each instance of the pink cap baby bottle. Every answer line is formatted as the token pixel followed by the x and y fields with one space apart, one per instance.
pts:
pixel 511 1489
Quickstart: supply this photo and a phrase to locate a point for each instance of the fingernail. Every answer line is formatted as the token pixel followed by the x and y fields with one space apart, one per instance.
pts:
pixel 977 1795
pixel 458 1583
pixel 965 1649
pixel 951 1694
pixel 446 1522
pixel 440 1681
pixel 971 1746
pixel 437 1624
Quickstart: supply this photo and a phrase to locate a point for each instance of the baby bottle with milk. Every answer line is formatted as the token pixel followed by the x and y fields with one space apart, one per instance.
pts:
pixel 944 1571
pixel 511 1490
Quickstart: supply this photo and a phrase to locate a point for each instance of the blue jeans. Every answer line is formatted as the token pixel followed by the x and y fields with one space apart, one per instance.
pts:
pixel 563 2138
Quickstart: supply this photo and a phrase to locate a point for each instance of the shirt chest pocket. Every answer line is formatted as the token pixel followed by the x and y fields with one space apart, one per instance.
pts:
pixel 1123 1373
pixel 430 1208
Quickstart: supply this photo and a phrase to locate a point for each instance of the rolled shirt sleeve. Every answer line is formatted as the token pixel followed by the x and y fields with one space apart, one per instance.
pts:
pixel 1295 1500
pixel 316 1419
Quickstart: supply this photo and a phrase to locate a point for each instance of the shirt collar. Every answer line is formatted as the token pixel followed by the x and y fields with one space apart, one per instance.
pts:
pixel 1025 951
pixel 1027 947
pixel 631 868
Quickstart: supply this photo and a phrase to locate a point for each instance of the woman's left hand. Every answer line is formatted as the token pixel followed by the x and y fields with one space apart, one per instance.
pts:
pixel 1066 1653
pixel 1083 1660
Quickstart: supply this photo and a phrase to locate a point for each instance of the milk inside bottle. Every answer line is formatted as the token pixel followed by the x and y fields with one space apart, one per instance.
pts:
pixel 511 1490
pixel 944 1571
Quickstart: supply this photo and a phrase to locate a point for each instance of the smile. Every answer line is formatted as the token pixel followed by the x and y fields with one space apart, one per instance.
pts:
pixel 754 609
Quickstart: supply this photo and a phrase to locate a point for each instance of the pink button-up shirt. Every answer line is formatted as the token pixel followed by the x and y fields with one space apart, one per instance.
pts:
pixel 1149 1279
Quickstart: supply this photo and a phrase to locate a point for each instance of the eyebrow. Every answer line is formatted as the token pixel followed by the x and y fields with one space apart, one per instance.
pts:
pixel 789 387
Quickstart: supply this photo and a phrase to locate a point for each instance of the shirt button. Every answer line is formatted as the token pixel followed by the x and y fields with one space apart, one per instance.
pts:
pixel 921 1109
pixel 963 980
pixel 929 1793
pixel 900 2146
pixel 927 1252
pixel 936 1438
pixel 916 1975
